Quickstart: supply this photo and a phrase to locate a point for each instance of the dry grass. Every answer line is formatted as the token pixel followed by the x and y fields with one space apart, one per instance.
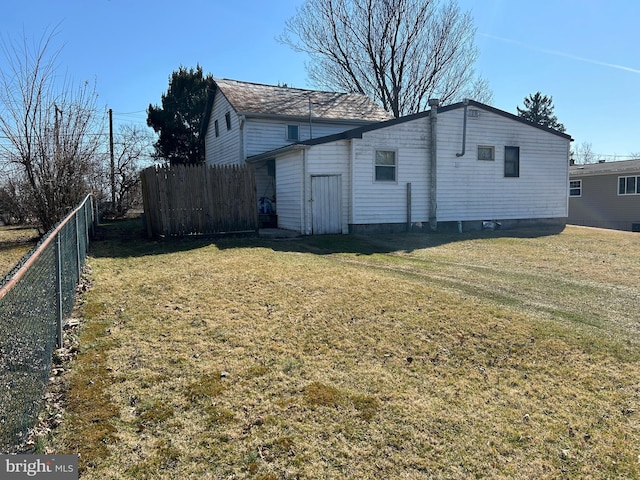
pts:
pixel 14 243
pixel 406 356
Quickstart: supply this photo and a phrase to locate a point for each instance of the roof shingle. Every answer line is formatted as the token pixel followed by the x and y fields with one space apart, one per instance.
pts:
pixel 605 168
pixel 253 98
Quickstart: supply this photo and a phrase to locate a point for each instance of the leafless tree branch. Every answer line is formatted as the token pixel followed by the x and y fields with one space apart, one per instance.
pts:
pixel 399 52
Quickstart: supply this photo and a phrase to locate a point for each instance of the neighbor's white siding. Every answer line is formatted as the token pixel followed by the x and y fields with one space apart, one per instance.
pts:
pixel 226 149
pixel 263 135
pixel 386 202
pixel 289 191
pixel 472 189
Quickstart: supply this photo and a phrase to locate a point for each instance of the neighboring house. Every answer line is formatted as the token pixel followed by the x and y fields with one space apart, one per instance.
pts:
pixel 605 195
pixel 454 166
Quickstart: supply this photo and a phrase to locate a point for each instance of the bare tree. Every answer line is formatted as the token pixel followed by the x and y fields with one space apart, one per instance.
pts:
pixel 584 153
pixel 399 52
pixel 52 130
pixel 133 150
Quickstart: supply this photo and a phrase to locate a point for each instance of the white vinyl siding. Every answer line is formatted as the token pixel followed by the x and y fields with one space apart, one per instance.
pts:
pixel 289 199
pixel 472 190
pixel 265 135
pixel 224 148
pixel 386 202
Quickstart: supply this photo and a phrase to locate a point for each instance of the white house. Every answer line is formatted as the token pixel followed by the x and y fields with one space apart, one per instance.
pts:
pixel 245 119
pixel 455 166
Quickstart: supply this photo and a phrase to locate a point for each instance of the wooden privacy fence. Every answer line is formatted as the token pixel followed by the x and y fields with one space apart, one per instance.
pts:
pixel 199 200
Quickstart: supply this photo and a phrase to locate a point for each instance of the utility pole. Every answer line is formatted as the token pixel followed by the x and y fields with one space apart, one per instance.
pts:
pixel 113 165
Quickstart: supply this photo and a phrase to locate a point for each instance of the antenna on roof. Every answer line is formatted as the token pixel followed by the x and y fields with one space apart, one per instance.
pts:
pixel 310 111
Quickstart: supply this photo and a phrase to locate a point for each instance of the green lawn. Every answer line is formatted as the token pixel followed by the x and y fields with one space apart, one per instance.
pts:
pixel 488 355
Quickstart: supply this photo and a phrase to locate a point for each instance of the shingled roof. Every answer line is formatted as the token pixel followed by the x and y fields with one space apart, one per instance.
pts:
pixel 605 168
pixel 256 99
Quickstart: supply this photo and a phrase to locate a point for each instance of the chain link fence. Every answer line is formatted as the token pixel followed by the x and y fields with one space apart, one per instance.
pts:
pixel 35 297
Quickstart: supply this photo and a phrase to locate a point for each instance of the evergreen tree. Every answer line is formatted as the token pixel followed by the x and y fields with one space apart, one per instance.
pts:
pixel 538 109
pixel 178 120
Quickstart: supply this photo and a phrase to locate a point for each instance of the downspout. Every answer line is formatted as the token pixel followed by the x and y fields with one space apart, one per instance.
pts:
pixel 464 129
pixel 352 186
pixel 305 204
pixel 433 165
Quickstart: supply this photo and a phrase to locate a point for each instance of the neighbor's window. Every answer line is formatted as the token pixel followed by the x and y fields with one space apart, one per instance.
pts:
pixel 217 129
pixel 628 185
pixel 575 188
pixel 293 133
pixel 227 118
pixel 486 153
pixel 385 166
pixel 511 161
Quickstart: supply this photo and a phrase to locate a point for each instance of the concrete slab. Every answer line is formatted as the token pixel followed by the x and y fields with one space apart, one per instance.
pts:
pixel 277 233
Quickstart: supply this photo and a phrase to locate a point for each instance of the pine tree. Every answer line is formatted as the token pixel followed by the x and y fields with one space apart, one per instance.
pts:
pixel 538 109
pixel 178 120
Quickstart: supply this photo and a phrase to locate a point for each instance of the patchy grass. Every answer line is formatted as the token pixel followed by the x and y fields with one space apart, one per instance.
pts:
pixel 496 355
pixel 14 243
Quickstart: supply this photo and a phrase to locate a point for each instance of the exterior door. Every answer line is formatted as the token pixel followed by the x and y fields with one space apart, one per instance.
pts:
pixel 326 204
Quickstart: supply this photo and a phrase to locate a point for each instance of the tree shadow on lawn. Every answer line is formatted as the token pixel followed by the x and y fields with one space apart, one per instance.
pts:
pixel 126 238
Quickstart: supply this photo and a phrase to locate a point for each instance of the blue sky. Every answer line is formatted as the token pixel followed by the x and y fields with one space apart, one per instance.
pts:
pixel 584 53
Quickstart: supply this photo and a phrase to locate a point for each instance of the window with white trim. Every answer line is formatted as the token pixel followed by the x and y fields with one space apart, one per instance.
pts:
pixel 575 188
pixel 293 133
pixel 629 185
pixel 486 153
pixel 385 166
pixel 227 119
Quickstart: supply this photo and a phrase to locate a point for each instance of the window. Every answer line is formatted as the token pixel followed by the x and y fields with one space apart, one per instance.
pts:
pixel 227 118
pixel 486 153
pixel 293 133
pixel 575 188
pixel 217 129
pixel 385 166
pixel 511 161
pixel 629 185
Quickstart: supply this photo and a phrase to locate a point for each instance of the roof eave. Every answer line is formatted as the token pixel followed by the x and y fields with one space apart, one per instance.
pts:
pixel 276 152
pixel 305 119
pixel 505 114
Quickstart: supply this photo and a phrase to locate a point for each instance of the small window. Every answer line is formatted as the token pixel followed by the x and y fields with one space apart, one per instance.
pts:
pixel 575 188
pixel 293 133
pixel 227 118
pixel 216 128
pixel 511 161
pixel 486 153
pixel 628 185
pixel 385 166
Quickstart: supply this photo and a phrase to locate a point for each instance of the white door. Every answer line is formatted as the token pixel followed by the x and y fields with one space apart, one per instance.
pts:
pixel 326 212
